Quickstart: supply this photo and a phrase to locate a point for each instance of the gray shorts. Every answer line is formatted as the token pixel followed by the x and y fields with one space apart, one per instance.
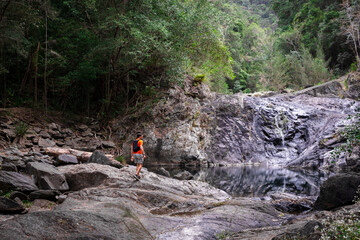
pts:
pixel 138 158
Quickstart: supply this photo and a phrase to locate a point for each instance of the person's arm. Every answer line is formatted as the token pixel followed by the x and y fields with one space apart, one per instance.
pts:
pixel 142 150
pixel 132 157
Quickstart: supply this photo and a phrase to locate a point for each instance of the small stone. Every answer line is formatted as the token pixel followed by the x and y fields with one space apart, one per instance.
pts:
pixel 37 130
pixel 60 143
pixel 35 140
pixel 18 200
pixel 28 144
pixel 37 154
pixel 67 159
pixel 61 198
pixel 87 134
pixel 53 126
pixel 69 142
pixel 9 133
pixel 44 134
pixel 30 136
pixel 82 127
pixel 108 144
pixel 44 143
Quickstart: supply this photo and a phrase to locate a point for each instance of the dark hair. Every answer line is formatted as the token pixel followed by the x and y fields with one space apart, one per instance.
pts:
pixel 138 135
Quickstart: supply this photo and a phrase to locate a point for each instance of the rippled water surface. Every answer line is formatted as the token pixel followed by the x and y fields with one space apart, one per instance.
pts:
pixel 256 181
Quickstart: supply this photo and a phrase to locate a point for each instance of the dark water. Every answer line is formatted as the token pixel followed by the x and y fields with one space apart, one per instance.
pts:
pixel 255 181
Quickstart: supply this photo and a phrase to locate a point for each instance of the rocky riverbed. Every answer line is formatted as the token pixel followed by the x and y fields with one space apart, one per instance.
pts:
pixel 99 201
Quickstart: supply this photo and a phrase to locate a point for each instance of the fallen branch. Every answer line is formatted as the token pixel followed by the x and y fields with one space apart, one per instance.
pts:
pixel 82 156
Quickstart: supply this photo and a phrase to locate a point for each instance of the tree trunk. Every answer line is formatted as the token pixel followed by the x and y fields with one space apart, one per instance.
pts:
pixel 45 67
pixel 23 82
pixel 35 61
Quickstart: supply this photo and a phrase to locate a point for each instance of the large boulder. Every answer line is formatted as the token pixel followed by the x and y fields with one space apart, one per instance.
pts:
pixel 84 175
pixel 100 158
pixel 47 177
pixel 10 206
pixel 337 191
pixel 16 182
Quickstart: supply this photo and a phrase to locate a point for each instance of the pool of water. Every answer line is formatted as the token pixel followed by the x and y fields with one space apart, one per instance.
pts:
pixel 255 181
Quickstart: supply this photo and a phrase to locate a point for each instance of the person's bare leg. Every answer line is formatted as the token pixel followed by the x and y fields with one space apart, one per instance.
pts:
pixel 138 168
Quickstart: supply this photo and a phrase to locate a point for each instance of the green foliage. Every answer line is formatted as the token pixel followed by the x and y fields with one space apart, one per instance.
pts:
pixel 105 55
pixel 352 135
pixel 224 235
pixel 7 195
pixel 199 79
pixel 28 204
pixel 353 66
pixel 318 22
pixel 21 128
pixel 121 159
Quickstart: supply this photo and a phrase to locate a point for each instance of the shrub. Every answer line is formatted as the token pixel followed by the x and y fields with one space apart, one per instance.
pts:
pixel 21 129
pixel 121 159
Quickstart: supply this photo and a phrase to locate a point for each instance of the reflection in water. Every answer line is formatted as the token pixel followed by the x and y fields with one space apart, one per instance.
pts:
pixel 256 181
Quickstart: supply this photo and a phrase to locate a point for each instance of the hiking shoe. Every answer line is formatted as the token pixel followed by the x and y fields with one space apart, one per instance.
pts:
pixel 137 177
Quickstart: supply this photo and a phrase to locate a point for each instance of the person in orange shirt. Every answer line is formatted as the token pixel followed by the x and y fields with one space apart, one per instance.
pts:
pixel 138 154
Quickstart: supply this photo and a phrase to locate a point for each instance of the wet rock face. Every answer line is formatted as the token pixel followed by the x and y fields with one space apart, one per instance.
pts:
pixel 297 129
pixel 278 130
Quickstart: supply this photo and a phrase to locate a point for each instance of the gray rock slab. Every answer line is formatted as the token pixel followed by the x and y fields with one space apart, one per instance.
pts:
pixel 47 177
pixel 165 208
pixel 17 182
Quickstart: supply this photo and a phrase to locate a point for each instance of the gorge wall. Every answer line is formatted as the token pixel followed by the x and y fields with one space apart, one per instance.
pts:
pixel 297 129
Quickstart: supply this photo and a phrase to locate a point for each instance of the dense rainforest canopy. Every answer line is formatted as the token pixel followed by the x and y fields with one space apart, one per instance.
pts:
pixel 103 56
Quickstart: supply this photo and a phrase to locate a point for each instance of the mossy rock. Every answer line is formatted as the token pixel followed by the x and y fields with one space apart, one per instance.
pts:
pixel 199 79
